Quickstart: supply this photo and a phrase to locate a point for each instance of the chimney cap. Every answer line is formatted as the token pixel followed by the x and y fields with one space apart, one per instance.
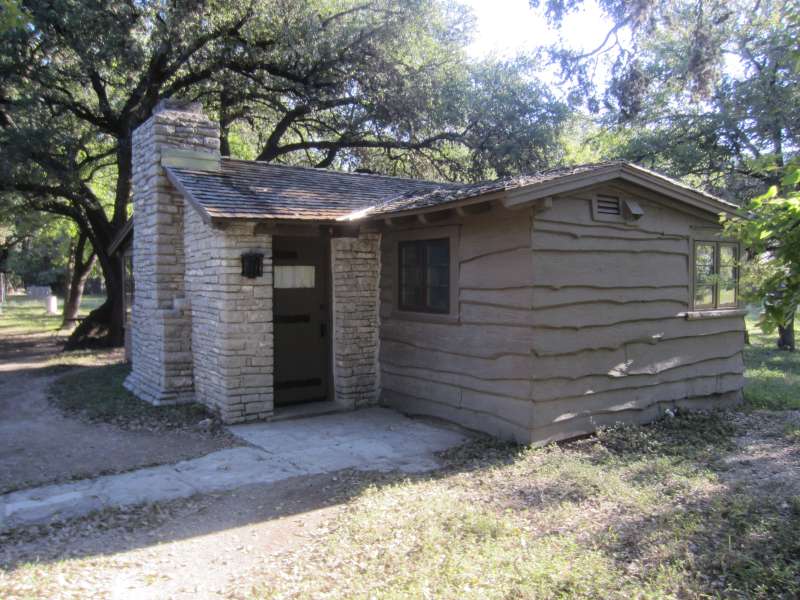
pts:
pixel 178 105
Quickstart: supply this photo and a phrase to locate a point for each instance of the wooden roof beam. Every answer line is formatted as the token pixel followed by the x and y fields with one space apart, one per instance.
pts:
pixel 474 209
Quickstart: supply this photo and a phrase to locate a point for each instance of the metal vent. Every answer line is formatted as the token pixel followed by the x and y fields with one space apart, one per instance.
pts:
pixel 608 205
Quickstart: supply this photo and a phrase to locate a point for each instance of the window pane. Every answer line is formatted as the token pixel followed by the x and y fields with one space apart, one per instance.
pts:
pixel 439 252
pixel 424 275
pixel 704 296
pixel 704 263
pixel 727 284
pixel 408 254
pixel 438 276
pixel 727 295
pixel 294 276
pixel 412 276
pixel 727 255
pixel 438 299
pixel 411 296
pixel 727 274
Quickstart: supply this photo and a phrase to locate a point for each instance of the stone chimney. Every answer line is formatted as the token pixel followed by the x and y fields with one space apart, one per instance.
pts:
pixel 177 134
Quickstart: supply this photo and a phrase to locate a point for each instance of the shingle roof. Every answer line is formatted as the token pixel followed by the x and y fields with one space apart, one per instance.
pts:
pixel 248 189
pixel 427 199
pixel 254 190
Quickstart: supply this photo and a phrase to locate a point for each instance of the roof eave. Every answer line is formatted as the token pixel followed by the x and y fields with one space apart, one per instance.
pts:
pixel 478 198
pixel 525 195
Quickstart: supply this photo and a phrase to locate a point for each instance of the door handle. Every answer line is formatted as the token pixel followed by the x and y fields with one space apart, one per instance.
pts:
pixel 322 330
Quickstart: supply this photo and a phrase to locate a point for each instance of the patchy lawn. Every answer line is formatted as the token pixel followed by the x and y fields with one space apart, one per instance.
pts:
pixel 696 506
pixel 635 513
pixel 24 315
pixel 97 395
pixel 699 506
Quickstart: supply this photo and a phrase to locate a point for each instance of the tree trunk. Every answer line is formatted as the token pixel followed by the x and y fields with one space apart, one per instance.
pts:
pixel 224 122
pixel 104 326
pixel 81 267
pixel 786 336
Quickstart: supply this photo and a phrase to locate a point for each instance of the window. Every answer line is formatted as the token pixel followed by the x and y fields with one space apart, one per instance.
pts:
pixel 294 276
pixel 715 275
pixel 424 273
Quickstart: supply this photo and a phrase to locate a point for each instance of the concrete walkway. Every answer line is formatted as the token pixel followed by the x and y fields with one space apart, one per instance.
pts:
pixel 374 439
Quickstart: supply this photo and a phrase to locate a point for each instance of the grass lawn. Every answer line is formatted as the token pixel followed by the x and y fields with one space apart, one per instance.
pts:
pixel 773 376
pixel 665 511
pixel 21 315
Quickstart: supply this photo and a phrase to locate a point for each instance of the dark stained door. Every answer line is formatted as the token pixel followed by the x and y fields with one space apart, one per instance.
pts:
pixel 301 313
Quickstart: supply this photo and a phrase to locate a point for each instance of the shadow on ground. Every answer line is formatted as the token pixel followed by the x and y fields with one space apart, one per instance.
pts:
pixel 40 444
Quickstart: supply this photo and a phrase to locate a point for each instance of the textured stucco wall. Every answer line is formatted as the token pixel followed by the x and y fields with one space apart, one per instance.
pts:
pixel 564 323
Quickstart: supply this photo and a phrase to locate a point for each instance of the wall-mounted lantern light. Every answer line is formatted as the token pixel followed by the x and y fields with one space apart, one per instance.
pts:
pixel 252 265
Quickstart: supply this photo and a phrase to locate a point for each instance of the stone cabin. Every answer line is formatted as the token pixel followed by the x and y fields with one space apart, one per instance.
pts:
pixel 534 308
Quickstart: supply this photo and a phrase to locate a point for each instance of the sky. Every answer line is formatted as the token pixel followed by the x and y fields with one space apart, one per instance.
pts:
pixel 507 27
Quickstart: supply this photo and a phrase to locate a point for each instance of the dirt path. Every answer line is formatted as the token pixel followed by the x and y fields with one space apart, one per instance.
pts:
pixel 38 444
pixel 767 460
pixel 210 546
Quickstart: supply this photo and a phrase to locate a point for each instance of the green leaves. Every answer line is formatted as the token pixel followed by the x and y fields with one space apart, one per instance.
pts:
pixel 772 233
pixel 791 178
pixel 705 91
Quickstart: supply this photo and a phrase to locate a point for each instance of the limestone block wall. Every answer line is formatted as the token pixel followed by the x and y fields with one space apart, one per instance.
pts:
pixel 231 319
pixel 161 338
pixel 355 274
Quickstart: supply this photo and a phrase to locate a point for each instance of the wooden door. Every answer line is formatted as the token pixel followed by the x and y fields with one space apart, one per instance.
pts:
pixel 301 315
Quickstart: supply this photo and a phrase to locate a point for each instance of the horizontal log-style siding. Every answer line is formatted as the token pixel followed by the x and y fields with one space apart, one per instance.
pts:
pixel 475 369
pixel 564 324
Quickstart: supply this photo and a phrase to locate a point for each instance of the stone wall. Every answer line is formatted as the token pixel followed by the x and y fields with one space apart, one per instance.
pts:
pixel 231 320
pixel 356 271
pixel 200 330
pixel 161 340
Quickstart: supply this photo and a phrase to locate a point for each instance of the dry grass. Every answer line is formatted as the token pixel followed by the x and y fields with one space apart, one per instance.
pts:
pixel 97 394
pixel 673 510
pixel 636 513
pixel 697 506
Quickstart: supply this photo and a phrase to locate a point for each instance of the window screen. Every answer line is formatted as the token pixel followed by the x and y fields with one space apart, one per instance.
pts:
pixel 424 273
